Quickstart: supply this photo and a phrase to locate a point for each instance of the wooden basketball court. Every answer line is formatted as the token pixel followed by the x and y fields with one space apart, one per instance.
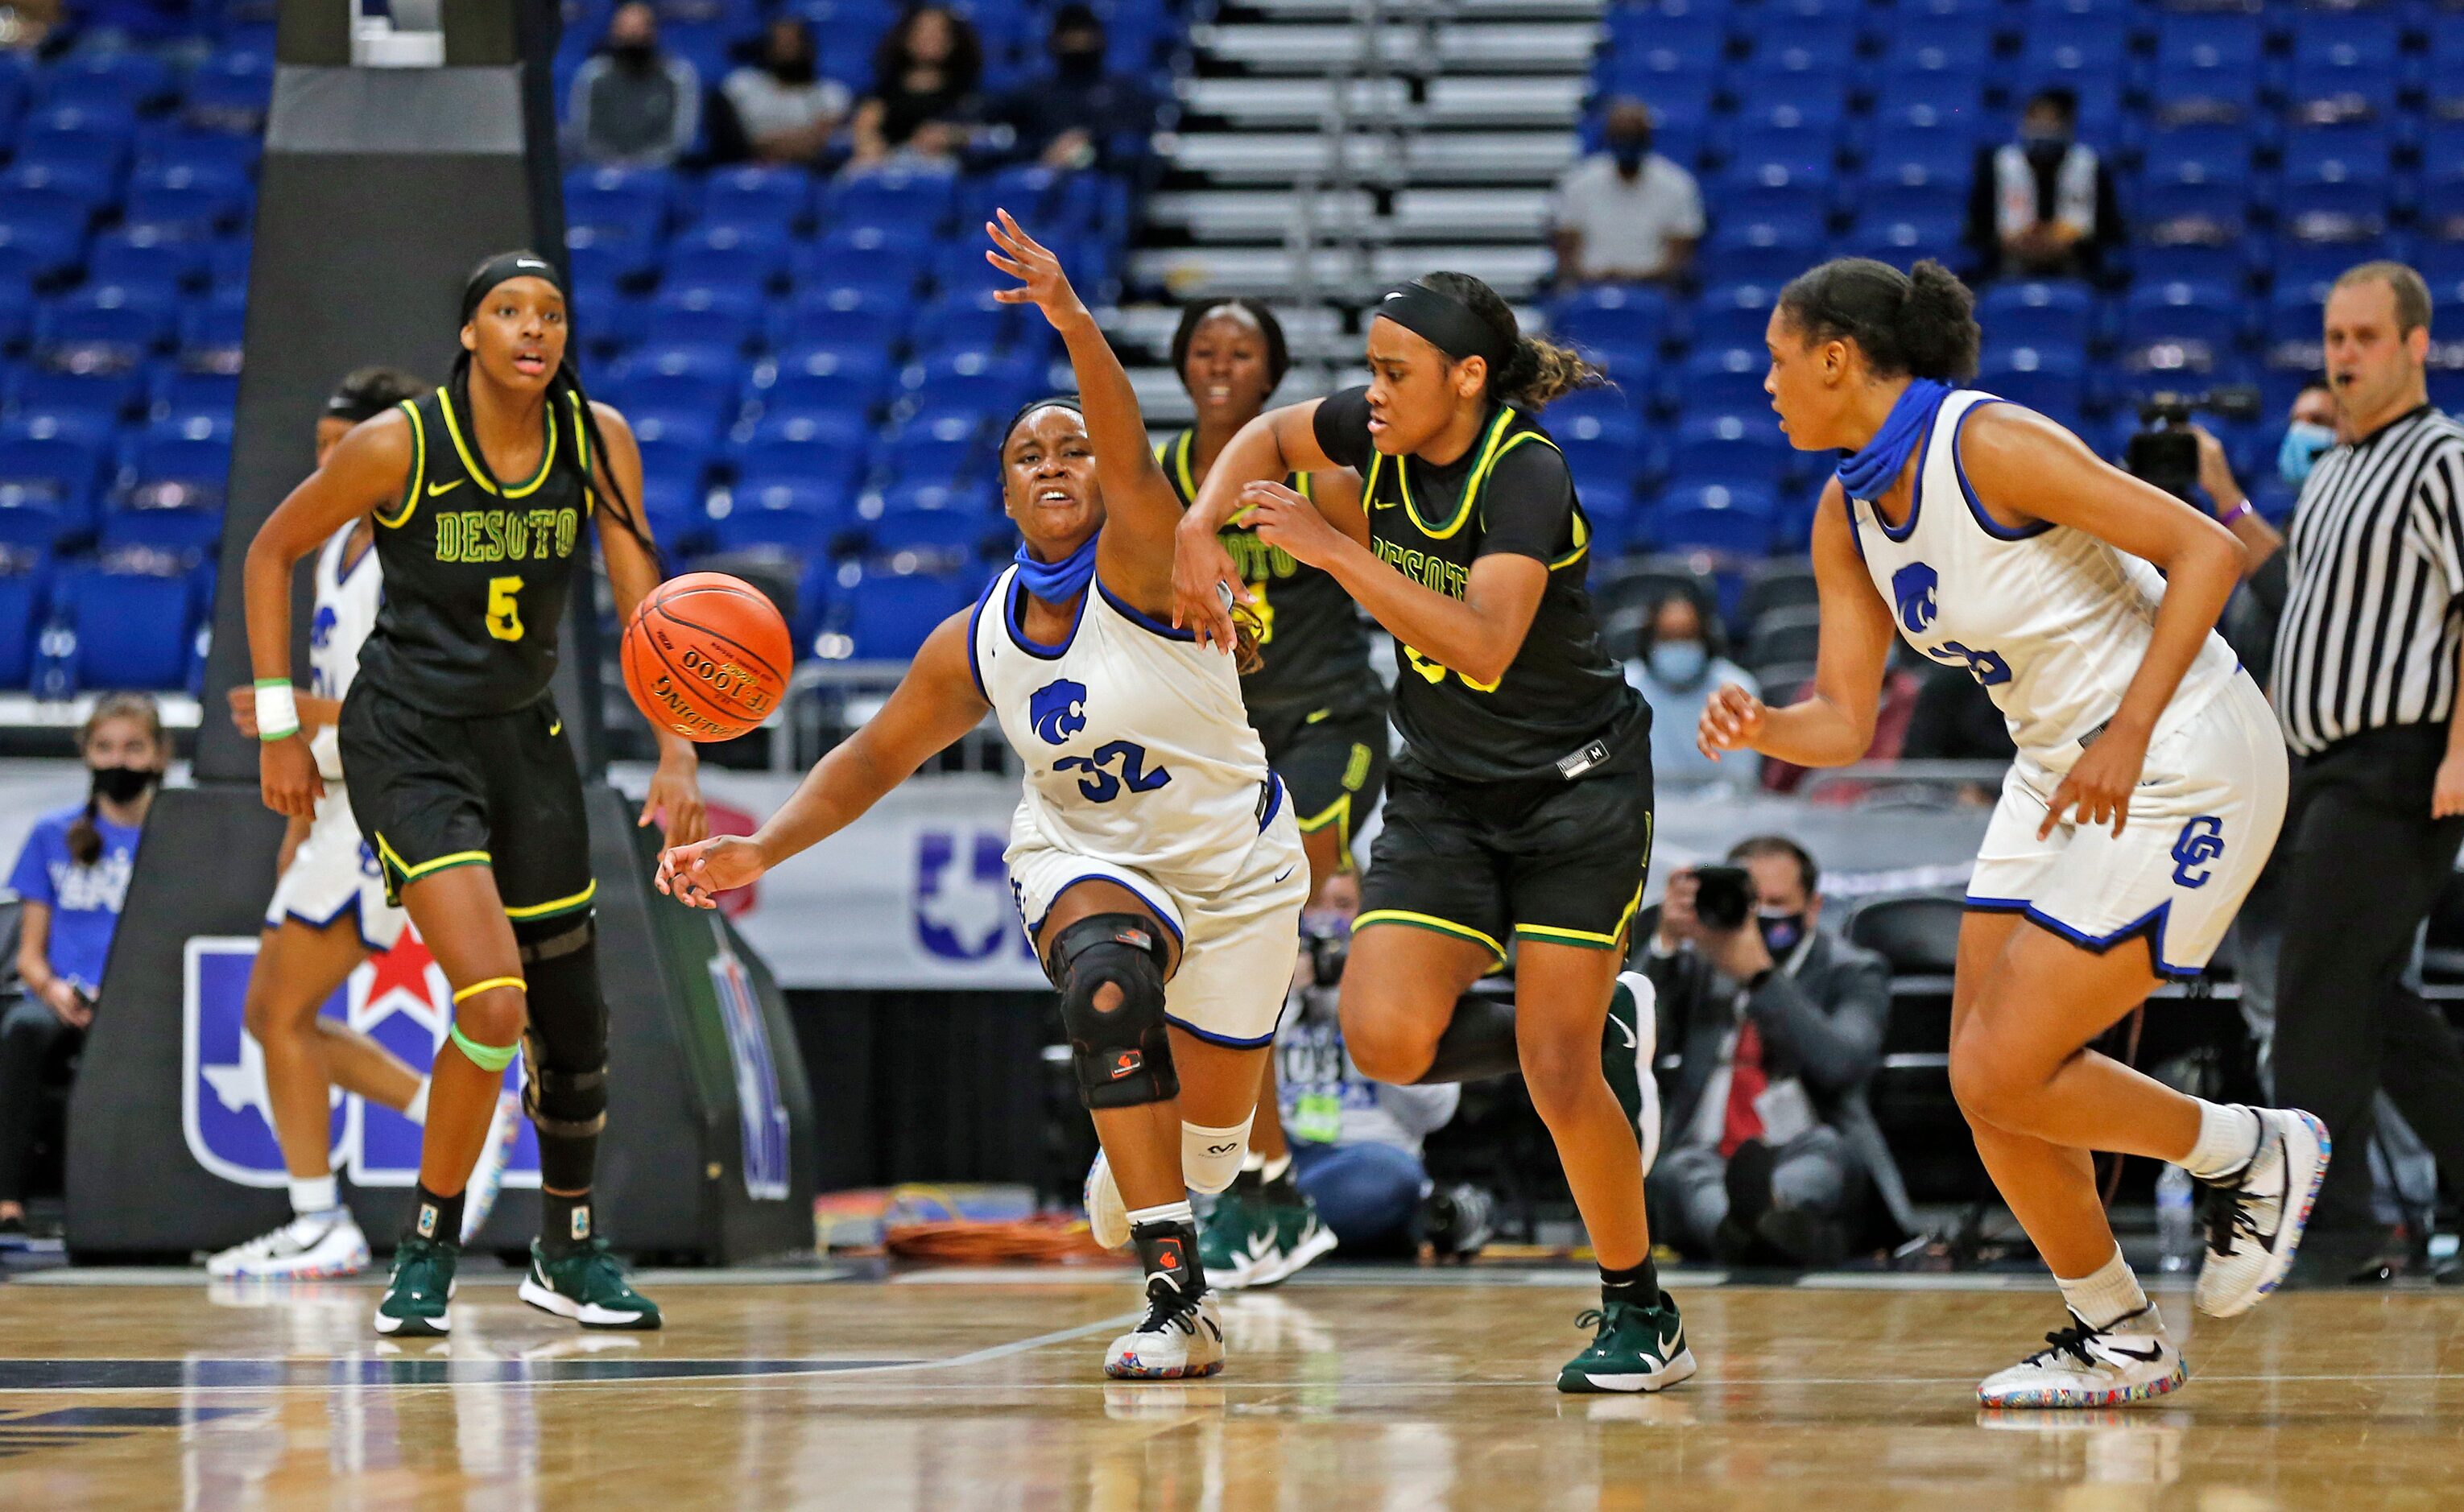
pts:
pixel 1348 1389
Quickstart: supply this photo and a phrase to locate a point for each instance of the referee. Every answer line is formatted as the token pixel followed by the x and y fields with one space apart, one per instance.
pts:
pixel 2366 686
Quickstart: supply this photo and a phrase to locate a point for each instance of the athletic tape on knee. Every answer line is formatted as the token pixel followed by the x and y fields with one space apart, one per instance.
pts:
pixel 1121 1054
pixel 1211 1157
pixel 486 1057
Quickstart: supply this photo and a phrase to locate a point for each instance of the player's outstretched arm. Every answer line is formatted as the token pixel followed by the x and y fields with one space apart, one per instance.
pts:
pixel 368 471
pixel 674 797
pixel 1834 724
pixel 935 704
pixel 1278 442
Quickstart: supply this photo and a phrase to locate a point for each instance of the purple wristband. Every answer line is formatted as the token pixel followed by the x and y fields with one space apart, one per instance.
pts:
pixel 2245 507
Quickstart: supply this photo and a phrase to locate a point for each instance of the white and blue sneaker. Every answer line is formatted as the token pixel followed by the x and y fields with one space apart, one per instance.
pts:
pixel 312 1245
pixel 2130 1361
pixel 2255 1216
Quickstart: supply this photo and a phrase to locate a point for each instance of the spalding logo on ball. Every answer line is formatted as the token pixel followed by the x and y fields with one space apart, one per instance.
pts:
pixel 707 656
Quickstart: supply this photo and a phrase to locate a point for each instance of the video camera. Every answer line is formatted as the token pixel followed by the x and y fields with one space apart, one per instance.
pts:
pixel 2163 450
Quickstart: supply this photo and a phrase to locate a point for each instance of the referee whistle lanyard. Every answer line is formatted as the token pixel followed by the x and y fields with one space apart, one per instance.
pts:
pixel 1058 581
pixel 1868 471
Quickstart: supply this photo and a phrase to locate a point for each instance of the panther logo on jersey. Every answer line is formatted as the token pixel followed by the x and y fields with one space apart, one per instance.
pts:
pixel 1914 586
pixel 1058 711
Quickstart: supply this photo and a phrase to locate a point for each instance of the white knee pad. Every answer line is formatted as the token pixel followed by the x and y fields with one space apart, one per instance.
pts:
pixel 1211 1157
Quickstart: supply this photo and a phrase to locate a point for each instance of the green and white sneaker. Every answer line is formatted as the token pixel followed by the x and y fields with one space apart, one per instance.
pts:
pixel 419 1294
pixel 587 1286
pixel 1628 1045
pixel 1261 1234
pixel 1636 1349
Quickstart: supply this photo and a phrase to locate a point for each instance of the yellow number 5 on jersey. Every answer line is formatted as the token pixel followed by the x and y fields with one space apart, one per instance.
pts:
pixel 1436 671
pixel 504 611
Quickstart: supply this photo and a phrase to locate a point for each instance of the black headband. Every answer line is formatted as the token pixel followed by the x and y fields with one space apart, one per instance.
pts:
pixel 1445 322
pixel 351 404
pixel 504 268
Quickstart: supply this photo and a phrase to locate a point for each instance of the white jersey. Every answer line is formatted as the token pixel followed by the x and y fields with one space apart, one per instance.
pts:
pixel 345 612
pixel 1137 750
pixel 2053 621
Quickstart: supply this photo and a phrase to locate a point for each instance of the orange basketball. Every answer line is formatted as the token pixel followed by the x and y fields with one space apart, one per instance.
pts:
pixel 707 656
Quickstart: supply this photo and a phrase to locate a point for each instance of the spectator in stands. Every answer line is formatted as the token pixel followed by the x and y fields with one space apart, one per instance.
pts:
pixel 1766 1140
pixel 1625 215
pixel 923 106
pixel 1676 667
pixel 70 879
pixel 1075 116
pixel 779 109
pixel 1355 1144
pixel 2043 206
pixel 632 105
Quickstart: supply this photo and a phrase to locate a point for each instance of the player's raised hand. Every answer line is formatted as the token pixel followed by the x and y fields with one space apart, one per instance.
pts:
pixel 1040 281
pixel 694 875
pixel 287 776
pixel 1732 718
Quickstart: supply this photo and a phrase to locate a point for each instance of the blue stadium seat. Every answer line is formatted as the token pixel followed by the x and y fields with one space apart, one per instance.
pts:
pixel 812 376
pixel 784 433
pixel 597 254
pixel 2052 381
pixel 39 242
pixel 1802 153
pixel 185 208
pixel 2191 262
pixel 2212 213
pixel 178 392
pixel 89 404
pixel 1908 153
pixel 211 151
pixel 1900 240
pixel 934 448
pixel 1944 45
pixel 2337 181
pixel 1804 48
pixel 845 317
pixel 1621 315
pixel 726 316
pixel 1910 202
pixel 1726 378
pixel 727 257
pixel 211 335
pixel 1741 449
pixel 630 202
pixel 1717 518
pixel 2204 321
pixel 2443 72
pixel 927 517
pixel 82 164
pixel 132 627
pixel 2344 64
pixel 2313 265
pixel 2208 65
pixel 108 328
pixel 230 94
pixel 145 263
pixel 121 80
pixel 1734 316
pixel 680 386
pixel 889 614
pixel 174 500
pixel 892 199
pixel 979 324
pixel 988 384
pixel 2059 315
pixel 778 199
pixel 2295 336
pixel 24 593
pixel 1643 44
pixel 795 511
pixel 1955 100
pixel 2200 152
pixel 1769 248
pixel 47 485
pixel 1595 414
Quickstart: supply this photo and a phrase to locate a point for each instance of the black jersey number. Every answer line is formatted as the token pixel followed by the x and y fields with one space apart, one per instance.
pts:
pixel 1100 786
pixel 504 608
pixel 1436 671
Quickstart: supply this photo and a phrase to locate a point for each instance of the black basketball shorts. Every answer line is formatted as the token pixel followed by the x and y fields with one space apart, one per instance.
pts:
pixel 1332 762
pixel 1546 860
pixel 433 792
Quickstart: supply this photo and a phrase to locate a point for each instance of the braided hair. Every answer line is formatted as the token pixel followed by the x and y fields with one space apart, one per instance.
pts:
pixel 564 386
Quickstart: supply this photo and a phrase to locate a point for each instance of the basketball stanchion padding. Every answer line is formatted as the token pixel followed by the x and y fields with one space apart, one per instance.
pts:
pixel 707 656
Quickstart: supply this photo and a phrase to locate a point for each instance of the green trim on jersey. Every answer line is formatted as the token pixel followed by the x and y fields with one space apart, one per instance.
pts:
pixel 479 474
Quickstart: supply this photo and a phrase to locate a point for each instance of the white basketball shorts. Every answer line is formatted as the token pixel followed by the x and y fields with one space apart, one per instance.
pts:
pixel 335 872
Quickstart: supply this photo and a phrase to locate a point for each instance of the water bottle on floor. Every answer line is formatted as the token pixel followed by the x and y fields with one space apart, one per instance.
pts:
pixel 2177 1236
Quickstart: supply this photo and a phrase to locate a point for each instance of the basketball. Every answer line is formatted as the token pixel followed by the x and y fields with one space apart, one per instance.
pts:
pixel 707 656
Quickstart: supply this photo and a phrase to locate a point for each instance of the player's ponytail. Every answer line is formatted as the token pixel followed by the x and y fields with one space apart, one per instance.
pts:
pixel 1534 373
pixel 1915 324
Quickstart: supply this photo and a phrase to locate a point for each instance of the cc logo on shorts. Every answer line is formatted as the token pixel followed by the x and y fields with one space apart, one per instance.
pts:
pixel 2202 841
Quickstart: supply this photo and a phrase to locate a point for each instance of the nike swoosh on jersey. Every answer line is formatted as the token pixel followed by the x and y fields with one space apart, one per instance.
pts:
pixel 1287 872
pixel 1631 1042
pixel 556 726
pixel 439 489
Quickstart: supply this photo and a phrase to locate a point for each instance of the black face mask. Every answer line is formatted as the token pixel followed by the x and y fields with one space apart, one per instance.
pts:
pixel 1782 932
pixel 798 70
pixel 635 56
pixel 1629 153
pixel 124 784
pixel 1078 62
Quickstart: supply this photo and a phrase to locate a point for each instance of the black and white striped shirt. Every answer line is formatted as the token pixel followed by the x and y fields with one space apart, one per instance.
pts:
pixel 2369 632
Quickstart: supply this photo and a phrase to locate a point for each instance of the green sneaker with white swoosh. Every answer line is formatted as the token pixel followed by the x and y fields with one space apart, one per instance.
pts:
pixel 1635 1350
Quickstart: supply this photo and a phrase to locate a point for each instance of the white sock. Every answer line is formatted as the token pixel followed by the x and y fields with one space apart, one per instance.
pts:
pixel 1273 1169
pixel 2227 1139
pixel 1180 1212
pixel 315 1195
pixel 2110 1294
pixel 417 1111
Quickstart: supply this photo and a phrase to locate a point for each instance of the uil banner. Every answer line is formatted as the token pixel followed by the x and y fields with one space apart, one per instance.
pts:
pixel 399 998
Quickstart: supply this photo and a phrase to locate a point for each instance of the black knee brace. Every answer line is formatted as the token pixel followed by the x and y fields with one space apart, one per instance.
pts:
pixel 1122 1055
pixel 565 1085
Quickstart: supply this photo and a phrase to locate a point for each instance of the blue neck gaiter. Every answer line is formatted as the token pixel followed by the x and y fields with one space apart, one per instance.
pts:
pixel 1867 473
pixel 1058 581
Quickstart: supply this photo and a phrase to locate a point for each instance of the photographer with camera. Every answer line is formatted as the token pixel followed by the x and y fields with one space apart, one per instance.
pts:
pixel 1347 1168
pixel 1778 1026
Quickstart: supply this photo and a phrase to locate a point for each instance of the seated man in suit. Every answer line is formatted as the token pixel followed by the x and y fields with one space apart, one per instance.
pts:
pixel 1767 1141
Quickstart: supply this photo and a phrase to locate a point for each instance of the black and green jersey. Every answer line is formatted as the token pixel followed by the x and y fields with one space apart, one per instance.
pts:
pixel 1563 706
pixel 1314 647
pixel 477 570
